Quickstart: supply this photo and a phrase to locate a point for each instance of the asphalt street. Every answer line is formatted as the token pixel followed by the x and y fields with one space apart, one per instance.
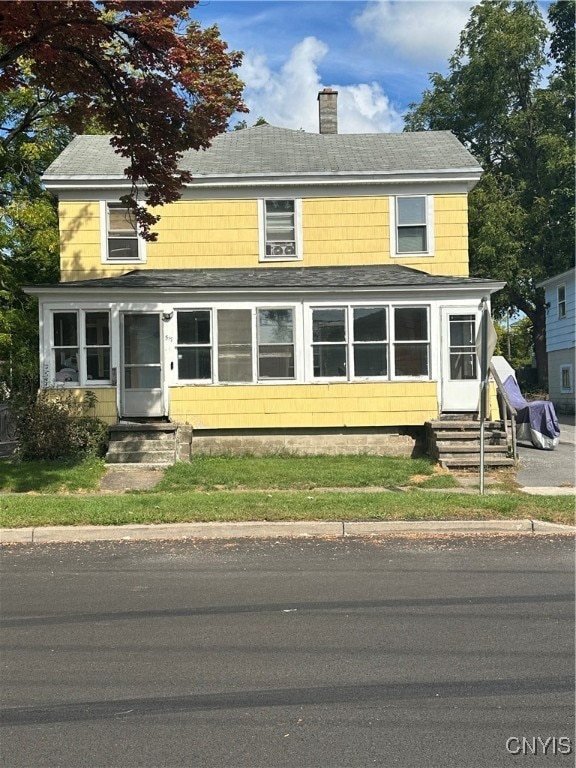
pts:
pixel 555 469
pixel 418 651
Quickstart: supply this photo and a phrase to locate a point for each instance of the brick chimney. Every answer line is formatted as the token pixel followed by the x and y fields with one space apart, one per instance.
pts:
pixel 328 110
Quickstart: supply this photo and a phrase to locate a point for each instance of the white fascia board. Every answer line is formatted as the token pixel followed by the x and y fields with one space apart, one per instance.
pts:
pixel 437 292
pixel 467 176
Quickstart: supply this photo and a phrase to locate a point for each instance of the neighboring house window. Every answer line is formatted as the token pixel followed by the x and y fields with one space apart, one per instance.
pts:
pixel 281 230
pixel 566 382
pixel 561 302
pixel 120 235
pixel 269 343
pixel 411 225
pixel 411 342
pixel 349 342
pixel 194 346
pixel 81 350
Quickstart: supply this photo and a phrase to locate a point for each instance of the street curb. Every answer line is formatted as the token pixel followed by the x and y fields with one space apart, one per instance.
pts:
pixel 285 529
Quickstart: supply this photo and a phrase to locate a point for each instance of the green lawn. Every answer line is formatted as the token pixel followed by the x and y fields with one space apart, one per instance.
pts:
pixel 248 488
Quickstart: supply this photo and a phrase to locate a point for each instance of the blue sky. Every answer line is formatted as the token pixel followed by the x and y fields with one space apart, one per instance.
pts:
pixel 377 54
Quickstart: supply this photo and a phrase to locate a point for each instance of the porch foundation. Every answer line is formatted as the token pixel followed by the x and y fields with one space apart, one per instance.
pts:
pixel 409 441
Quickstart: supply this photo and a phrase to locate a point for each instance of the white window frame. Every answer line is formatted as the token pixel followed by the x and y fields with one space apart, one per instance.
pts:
pixel 214 345
pixel 104 228
pixel 394 343
pixel 561 301
pixel 429 223
pixel 210 345
pixel 82 346
pixel 570 388
pixel 349 342
pixel 263 256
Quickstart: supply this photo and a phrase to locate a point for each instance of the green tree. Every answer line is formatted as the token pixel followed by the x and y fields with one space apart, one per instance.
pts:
pixel 521 129
pixel 144 72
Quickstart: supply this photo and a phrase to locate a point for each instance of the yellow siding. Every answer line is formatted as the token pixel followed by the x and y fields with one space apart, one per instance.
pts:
pixel 224 233
pixel 304 406
pixel 105 408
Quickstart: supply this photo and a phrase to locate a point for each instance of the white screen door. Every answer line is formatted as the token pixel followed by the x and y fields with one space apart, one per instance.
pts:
pixel 141 375
pixel 460 384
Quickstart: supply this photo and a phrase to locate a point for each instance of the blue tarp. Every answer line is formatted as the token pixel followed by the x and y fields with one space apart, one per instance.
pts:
pixel 535 422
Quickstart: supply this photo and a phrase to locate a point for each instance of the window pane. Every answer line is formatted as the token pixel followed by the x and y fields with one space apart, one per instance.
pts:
pixel 462 330
pixel 122 248
pixel 279 206
pixel 140 377
pixel 141 339
pixel 276 361
pixel 411 239
pixel 194 363
pixel 194 327
pixel 235 345
pixel 462 365
pixel 330 360
pixel 66 364
pixel 411 324
pixel 411 360
pixel 275 326
pixel 65 329
pixel 328 325
pixel 121 221
pixel 98 363
pixel 97 329
pixel 370 360
pixel 369 324
pixel 411 210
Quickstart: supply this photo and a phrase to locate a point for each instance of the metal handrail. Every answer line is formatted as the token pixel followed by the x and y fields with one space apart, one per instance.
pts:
pixel 507 409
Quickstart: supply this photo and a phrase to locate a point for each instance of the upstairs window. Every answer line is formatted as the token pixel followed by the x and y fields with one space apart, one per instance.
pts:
pixel 561 302
pixel 411 225
pixel 281 230
pixel 121 234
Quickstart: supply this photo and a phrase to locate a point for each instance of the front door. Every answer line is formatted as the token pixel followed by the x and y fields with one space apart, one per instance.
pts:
pixel 460 382
pixel 141 391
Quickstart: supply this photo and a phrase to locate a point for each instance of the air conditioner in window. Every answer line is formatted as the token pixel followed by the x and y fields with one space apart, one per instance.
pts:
pixel 283 249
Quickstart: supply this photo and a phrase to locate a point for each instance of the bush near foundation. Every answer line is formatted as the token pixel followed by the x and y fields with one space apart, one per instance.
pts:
pixel 58 424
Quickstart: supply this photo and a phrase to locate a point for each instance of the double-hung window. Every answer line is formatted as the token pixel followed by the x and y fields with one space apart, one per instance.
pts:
pixel 281 230
pixel 255 345
pixel 275 344
pixel 411 216
pixel 349 342
pixel 411 342
pixel 120 235
pixel 194 344
pixel 80 346
pixel 561 302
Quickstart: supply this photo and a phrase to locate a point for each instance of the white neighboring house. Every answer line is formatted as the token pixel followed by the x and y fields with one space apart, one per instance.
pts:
pixel 560 292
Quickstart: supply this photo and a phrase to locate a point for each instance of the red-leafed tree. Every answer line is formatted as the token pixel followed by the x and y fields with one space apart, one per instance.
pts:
pixel 144 72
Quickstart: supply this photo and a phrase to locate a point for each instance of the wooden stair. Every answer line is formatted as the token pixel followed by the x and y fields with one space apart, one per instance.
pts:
pixel 455 443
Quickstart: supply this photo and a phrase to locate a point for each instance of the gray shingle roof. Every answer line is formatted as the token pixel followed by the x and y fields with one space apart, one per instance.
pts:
pixel 279 278
pixel 265 150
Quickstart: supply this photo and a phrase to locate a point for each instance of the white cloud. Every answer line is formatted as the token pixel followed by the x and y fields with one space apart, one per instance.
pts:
pixel 288 97
pixel 419 31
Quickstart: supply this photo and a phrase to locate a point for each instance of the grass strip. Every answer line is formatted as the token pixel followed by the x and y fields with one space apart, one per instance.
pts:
pixel 42 510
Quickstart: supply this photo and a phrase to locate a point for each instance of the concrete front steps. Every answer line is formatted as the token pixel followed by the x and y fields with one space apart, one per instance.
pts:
pixel 158 444
pixel 455 443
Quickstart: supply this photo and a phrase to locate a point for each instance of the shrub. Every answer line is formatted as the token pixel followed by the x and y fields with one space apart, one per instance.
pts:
pixel 57 424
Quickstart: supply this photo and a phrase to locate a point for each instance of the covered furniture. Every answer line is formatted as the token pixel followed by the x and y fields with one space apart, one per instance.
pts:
pixel 536 421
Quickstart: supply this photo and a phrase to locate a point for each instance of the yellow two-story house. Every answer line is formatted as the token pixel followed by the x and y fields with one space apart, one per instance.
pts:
pixel 307 289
